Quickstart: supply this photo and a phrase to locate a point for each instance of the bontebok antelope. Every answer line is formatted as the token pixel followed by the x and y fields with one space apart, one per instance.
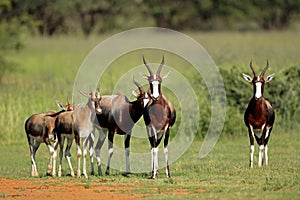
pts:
pixel 159 115
pixel 259 116
pixel 39 128
pixel 75 125
pixel 118 116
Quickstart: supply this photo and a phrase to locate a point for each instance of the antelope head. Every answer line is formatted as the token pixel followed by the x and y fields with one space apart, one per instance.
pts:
pixel 155 79
pixel 258 81
pixel 142 96
pixel 68 107
pixel 94 100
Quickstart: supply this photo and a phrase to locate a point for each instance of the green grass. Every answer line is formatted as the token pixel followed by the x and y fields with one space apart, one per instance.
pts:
pixel 224 173
pixel 46 71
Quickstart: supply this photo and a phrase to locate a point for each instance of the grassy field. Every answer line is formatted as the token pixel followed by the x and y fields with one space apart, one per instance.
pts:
pixel 224 174
pixel 45 72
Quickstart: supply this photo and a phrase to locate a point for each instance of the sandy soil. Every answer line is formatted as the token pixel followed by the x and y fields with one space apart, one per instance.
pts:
pixel 55 189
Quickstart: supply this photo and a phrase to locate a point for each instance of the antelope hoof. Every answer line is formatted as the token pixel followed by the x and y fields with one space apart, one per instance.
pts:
pixel 107 172
pixel 100 171
pixel 48 173
pixel 72 174
pixel 152 175
pixel 34 174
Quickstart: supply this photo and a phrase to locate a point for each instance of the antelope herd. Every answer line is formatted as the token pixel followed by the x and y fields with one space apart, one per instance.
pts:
pixel 116 114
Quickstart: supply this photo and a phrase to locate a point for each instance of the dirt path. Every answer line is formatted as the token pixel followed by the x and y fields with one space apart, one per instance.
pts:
pixel 56 189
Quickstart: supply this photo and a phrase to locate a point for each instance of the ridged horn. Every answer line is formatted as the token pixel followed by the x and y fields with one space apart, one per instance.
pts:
pixel 251 66
pixel 160 66
pixel 265 69
pixel 147 66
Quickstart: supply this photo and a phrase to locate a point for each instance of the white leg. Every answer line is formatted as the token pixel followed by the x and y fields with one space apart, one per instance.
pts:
pixel 110 153
pixel 33 148
pixel 166 160
pixel 98 162
pixel 251 155
pixel 79 154
pixel 266 155
pixel 51 150
pixel 91 150
pixel 61 152
pixel 127 152
pixel 54 157
pixel 251 146
pixel 84 163
pixel 98 147
pixel 68 156
pixel 155 161
pixel 260 155
pixel 84 144
pixel 54 160
pixel 152 163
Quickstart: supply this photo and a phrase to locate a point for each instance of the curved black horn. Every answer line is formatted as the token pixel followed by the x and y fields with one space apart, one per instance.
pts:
pixel 265 69
pixel 160 66
pixel 137 84
pixel 251 66
pixel 147 66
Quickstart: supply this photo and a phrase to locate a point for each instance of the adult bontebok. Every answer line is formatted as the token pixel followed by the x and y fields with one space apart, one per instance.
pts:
pixel 76 124
pixel 118 116
pixel 159 115
pixel 259 116
pixel 39 128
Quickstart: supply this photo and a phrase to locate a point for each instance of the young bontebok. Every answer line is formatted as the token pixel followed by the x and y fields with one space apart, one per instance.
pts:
pixel 76 124
pixel 159 115
pixel 39 129
pixel 118 116
pixel 259 116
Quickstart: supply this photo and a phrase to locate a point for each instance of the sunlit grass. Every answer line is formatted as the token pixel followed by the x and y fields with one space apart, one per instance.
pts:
pixel 224 173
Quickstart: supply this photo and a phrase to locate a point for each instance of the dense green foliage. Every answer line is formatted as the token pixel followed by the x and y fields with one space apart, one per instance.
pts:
pixel 60 16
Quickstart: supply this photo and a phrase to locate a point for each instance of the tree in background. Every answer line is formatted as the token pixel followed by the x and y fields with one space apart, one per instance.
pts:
pixel 65 17
pixel 10 36
pixel 278 14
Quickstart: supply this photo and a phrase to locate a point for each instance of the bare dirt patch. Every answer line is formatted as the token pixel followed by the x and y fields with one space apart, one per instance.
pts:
pixel 57 189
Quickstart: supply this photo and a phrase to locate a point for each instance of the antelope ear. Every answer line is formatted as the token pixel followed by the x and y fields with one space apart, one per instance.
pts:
pixel 79 105
pixel 59 105
pixel 84 94
pixel 247 77
pixel 166 75
pixel 134 94
pixel 270 77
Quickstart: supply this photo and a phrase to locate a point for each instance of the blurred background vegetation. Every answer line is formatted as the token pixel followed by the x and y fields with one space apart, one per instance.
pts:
pixel 265 29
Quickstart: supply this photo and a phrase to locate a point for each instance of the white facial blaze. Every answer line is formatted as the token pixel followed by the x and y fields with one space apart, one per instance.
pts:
pixel 155 93
pixel 258 90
